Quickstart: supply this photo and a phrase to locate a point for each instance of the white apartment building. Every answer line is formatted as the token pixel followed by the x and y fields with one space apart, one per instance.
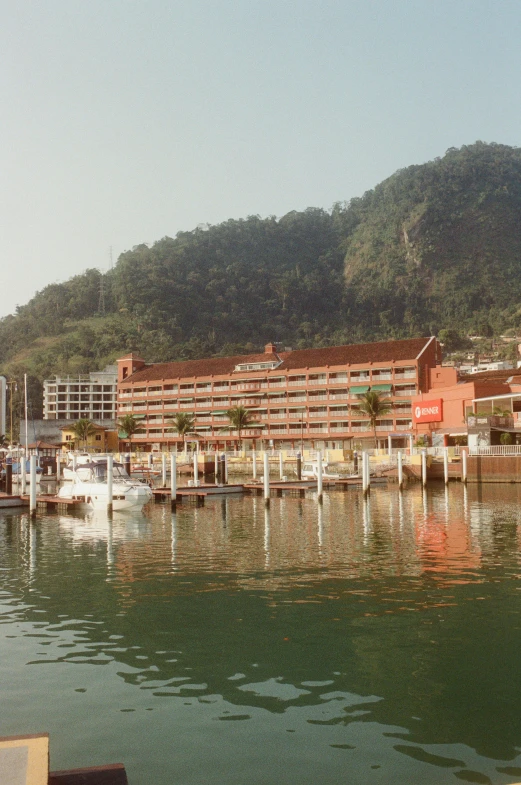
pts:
pixel 74 397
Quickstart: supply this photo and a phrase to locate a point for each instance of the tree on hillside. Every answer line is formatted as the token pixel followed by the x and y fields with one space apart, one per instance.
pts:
pixel 375 406
pixel 128 425
pixel 83 428
pixel 182 423
pixel 240 420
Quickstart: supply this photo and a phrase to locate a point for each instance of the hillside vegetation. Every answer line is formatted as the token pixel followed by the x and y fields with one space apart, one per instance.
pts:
pixel 433 246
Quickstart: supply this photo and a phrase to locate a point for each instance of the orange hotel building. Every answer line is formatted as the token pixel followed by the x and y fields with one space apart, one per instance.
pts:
pixel 307 397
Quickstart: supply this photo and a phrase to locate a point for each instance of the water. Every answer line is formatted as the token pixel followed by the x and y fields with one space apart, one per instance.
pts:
pixel 358 642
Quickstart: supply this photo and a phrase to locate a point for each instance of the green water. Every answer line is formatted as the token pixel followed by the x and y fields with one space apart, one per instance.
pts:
pixel 373 642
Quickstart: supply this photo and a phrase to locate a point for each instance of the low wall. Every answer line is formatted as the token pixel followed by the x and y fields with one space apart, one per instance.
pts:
pixel 494 468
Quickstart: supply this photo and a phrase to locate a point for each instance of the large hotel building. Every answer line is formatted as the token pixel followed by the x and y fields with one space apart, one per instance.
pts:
pixel 308 397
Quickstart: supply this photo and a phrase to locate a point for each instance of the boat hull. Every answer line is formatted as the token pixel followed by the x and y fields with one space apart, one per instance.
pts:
pixel 95 495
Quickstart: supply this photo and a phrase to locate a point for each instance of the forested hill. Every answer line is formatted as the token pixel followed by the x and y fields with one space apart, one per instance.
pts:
pixel 435 245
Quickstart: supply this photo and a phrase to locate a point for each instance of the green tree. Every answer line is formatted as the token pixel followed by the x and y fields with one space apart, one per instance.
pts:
pixel 375 406
pixel 3 440
pixel 240 420
pixel 83 428
pixel 182 423
pixel 506 438
pixel 128 425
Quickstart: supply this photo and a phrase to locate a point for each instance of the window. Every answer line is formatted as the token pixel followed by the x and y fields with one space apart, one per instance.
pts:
pixel 98 437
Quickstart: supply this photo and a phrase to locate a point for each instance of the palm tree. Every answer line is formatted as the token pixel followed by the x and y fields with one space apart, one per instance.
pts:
pixel 83 428
pixel 239 418
pixel 128 425
pixel 182 423
pixel 375 406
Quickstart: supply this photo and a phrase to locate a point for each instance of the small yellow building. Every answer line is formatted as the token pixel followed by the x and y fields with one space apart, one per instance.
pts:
pixel 100 440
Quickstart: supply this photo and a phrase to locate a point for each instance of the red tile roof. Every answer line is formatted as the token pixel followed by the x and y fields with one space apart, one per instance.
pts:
pixel 352 354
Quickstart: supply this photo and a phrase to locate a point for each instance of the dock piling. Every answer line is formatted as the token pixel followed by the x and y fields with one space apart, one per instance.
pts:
pixel 266 479
pixel 424 468
pixel 464 466
pixel 281 465
pixel 446 465
pixel 173 480
pixel 163 469
pixel 254 464
pixel 196 471
pixel 58 468
pixel 299 467
pixel 400 470
pixel 32 486
pixel 320 493
pixel 9 478
pixel 366 478
pixel 110 483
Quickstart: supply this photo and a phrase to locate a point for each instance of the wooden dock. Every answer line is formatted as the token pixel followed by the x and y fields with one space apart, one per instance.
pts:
pixel 196 493
pixel 9 501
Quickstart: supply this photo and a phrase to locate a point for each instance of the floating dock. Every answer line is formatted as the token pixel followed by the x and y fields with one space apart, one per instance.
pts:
pixel 8 500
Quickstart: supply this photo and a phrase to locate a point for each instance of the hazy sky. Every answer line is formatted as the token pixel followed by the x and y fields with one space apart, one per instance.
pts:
pixel 123 121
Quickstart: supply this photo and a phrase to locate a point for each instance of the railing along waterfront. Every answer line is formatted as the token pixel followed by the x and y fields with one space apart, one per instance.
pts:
pixel 497 449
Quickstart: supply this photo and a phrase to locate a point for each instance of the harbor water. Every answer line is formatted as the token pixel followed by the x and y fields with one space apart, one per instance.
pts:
pixel 357 641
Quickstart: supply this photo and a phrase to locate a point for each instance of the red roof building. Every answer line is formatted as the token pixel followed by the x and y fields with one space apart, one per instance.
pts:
pixel 308 397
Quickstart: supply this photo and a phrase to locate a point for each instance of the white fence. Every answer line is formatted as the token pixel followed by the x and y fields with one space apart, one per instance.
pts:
pixel 498 449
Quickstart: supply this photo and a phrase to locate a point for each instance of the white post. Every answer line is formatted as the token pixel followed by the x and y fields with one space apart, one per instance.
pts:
pixel 424 468
pixel 163 470
pixel 400 470
pixel 150 459
pixel 74 462
pixel 173 479
pixel 58 467
pixel 266 479
pixel 364 473
pixel 254 466
pixel 216 467
pixel 225 468
pixel 196 470
pixel 464 466
pixel 22 464
pixel 281 465
pixel 319 476
pixel 411 443
pixel 110 481
pixel 368 471
pixel 390 445
pixel 446 465
pixel 32 486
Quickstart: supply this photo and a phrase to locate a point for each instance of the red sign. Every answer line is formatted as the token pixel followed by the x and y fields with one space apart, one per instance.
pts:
pixel 427 411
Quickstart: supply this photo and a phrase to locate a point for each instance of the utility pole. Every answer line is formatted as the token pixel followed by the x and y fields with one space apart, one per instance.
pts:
pixel 101 303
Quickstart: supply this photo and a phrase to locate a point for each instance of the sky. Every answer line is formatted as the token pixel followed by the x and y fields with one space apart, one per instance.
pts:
pixel 122 121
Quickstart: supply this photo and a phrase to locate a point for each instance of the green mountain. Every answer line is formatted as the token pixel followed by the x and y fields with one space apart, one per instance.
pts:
pixel 434 246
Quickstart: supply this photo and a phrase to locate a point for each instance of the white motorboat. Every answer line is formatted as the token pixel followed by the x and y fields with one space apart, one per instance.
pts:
pixel 310 471
pixel 76 461
pixel 89 486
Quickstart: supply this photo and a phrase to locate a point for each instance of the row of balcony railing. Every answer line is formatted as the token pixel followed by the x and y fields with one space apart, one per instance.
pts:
pixel 303 381
pixel 302 429
pixel 257 402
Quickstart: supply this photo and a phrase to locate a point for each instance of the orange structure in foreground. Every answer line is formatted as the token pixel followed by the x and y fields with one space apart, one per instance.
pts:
pixel 303 398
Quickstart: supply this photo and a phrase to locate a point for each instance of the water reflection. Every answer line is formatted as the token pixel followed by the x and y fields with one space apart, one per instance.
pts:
pixel 386 628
